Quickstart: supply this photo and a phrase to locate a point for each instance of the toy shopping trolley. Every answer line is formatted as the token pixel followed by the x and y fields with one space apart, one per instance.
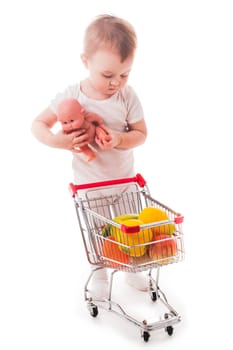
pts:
pixel 125 229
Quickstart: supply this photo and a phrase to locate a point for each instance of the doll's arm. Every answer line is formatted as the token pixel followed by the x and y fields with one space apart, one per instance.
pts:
pixel 89 153
pixel 93 118
pixel 102 134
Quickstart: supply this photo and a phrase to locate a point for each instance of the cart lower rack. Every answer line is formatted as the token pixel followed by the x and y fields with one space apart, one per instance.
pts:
pixel 125 229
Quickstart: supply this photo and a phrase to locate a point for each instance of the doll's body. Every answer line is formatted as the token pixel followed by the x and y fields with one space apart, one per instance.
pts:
pixel 73 116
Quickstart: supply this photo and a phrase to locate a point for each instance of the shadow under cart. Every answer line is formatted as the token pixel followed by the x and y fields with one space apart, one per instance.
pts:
pixel 166 321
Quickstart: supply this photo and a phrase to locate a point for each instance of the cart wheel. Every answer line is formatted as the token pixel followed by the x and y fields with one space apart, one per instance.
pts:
pixel 169 330
pixel 146 336
pixel 93 310
pixel 153 296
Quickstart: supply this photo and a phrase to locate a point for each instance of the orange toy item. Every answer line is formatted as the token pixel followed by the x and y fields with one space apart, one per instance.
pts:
pixel 111 251
pixel 153 214
pixel 73 116
pixel 163 249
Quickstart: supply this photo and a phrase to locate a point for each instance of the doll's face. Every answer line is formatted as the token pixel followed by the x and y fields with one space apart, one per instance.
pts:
pixel 70 115
pixel 71 122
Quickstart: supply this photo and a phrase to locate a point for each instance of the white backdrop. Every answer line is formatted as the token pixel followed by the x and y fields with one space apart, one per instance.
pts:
pixel 183 75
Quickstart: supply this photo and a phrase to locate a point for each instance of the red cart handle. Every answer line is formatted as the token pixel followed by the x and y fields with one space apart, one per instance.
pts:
pixel 138 179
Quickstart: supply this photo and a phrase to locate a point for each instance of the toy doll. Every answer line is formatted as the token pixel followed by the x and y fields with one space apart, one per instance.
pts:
pixel 73 116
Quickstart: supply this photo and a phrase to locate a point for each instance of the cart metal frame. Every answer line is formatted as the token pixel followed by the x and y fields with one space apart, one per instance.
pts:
pixel 96 206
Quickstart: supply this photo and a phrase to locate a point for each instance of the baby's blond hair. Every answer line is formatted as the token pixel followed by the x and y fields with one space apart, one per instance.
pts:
pixel 111 32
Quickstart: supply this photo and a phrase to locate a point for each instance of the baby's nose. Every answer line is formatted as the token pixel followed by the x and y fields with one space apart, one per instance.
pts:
pixel 115 82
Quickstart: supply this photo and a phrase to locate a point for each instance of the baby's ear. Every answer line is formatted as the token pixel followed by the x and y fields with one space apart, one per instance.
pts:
pixel 84 60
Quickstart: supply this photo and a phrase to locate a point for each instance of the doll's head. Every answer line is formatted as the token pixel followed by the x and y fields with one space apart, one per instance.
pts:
pixel 70 114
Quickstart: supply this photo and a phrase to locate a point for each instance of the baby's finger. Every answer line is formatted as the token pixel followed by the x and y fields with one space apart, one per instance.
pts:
pixel 76 150
pixel 99 142
pixel 80 141
pixel 79 133
pixel 80 138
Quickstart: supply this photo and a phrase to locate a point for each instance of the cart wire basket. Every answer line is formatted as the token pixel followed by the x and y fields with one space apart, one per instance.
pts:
pixel 125 229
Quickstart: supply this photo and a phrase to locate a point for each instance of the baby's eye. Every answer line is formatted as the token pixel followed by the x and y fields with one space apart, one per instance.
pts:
pixel 71 120
pixel 124 76
pixel 65 123
pixel 107 76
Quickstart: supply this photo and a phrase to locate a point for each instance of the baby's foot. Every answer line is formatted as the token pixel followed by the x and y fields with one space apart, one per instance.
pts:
pixel 99 284
pixel 99 289
pixel 138 281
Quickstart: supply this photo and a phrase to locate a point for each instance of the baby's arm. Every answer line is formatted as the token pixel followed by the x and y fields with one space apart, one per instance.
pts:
pixel 42 130
pixel 134 137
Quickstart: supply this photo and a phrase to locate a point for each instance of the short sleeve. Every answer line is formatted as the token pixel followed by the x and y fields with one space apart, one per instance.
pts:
pixel 134 108
pixel 72 91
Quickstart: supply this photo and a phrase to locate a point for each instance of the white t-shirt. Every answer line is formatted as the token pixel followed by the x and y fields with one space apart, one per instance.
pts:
pixel 117 111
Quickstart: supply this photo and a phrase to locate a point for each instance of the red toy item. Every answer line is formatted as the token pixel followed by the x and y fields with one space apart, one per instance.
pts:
pixel 73 116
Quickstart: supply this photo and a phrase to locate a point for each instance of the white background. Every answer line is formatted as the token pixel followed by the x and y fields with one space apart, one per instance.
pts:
pixel 184 77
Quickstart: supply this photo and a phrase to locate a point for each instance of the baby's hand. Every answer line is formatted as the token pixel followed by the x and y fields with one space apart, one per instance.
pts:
pixel 72 141
pixel 111 142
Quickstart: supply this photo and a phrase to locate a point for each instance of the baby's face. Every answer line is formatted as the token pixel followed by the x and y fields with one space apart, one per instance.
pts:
pixel 107 73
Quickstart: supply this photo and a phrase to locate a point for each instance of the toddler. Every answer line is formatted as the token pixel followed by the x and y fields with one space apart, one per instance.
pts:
pixel 109 49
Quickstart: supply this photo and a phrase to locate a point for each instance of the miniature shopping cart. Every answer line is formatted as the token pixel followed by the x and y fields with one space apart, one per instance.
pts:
pixel 110 217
